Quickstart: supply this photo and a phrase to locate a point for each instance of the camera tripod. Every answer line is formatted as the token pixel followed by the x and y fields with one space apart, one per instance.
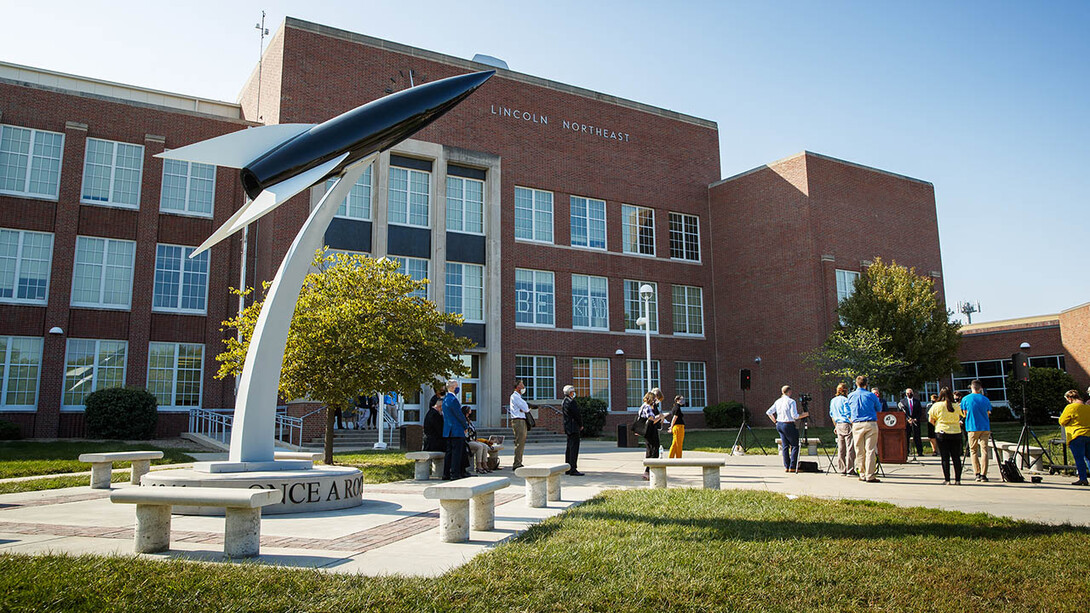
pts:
pixel 1022 447
pixel 745 432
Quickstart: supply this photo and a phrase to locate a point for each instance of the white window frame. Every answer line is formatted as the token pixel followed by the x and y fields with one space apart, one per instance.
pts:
pixel 845 284
pixel 173 406
pixel 639 306
pixel 31 168
pixel 683 385
pixel 686 320
pixel 540 309
pixel 405 262
pixel 590 299
pixel 111 201
pixel 102 276
pixel 602 385
pixel 462 202
pixel 19 264
pixel 185 261
pixel 5 374
pixel 391 212
pixel 187 209
pixel 353 200
pixel 534 390
pixel 536 234
pixel 587 220
pixel 95 367
pixel 631 212
pixel 656 379
pixel 683 233
pixel 461 307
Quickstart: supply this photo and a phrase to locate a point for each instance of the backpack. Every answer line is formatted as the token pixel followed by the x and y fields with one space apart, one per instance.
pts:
pixel 1010 473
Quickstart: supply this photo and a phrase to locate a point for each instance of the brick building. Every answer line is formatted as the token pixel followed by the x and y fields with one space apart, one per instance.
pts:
pixel 537 208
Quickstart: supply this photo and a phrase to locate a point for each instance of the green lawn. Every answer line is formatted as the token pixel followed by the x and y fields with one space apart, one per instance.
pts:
pixel 637 550
pixel 26 458
pixel 378 466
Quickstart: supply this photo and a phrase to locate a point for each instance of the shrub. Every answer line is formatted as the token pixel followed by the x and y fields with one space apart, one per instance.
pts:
pixel 724 415
pixel 1044 394
pixel 593 411
pixel 121 413
pixel 9 431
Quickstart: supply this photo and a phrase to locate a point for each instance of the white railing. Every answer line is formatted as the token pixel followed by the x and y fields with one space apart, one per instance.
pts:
pixel 289 429
pixel 216 425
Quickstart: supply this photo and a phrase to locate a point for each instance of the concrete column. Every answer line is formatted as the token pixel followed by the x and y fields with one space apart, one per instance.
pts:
pixel 380 188
pixel 242 534
pixel 437 466
pixel 711 477
pixel 658 477
pixel 453 521
pixel 139 469
pixel 101 472
pixel 483 511
pixel 536 492
pixel 554 486
pixel 422 470
pixel 152 528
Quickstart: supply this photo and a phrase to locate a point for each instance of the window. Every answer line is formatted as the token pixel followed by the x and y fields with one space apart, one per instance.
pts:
pixel 410 196
pixel 689 382
pixel 111 173
pixel 633 305
pixel 538 372
pixel 1048 361
pixel 417 270
pixel 174 374
pixel 590 376
pixel 845 284
pixel 181 283
pixel 534 297
pixel 103 273
pixel 637 229
pixel 590 302
pixel 357 205
pixel 637 381
pixel 465 291
pixel 25 258
pixel 20 364
pixel 533 215
pixel 30 162
pixel 588 222
pixel 91 365
pixel 188 188
pixel 688 310
pixel 684 237
pixel 465 205
pixel 992 375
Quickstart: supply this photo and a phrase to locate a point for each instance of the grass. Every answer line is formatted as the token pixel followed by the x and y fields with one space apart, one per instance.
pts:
pixel 27 458
pixel 636 550
pixel 54 483
pixel 378 466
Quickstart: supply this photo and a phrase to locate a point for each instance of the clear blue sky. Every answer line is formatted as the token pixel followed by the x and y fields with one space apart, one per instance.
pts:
pixel 987 100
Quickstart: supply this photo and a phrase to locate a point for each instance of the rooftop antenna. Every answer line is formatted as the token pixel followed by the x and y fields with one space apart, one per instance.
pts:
pixel 260 61
pixel 968 308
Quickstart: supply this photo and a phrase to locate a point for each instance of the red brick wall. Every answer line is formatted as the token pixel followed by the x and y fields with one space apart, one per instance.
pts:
pixel 1000 343
pixel 1075 336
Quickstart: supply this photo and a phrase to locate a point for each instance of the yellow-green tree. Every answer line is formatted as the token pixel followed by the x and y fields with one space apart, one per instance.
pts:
pixel 356 329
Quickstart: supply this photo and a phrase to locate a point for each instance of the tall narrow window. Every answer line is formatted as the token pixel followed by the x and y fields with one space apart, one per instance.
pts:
pixel 188 188
pixel 534 297
pixel 689 381
pixel 417 270
pixel 590 302
pixel 20 367
pixel 685 237
pixel 533 215
pixel 590 377
pixel 465 291
pixel 175 374
pixel 25 259
pixel 30 162
pixel 637 229
pixel 538 373
pixel 588 222
pixel 688 310
pixel 845 284
pixel 357 204
pixel 410 197
pixel 181 282
pixel 102 276
pixel 633 305
pixel 91 365
pixel 636 378
pixel 465 205
pixel 111 173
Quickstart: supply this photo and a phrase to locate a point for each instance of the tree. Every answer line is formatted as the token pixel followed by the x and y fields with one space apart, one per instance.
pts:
pixel 1044 394
pixel 848 353
pixel 355 329
pixel 902 306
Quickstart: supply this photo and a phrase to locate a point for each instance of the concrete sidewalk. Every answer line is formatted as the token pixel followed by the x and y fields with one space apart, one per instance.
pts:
pixel 396 529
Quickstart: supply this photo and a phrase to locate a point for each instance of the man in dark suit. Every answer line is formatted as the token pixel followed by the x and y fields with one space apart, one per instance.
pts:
pixel 454 431
pixel 433 426
pixel 914 419
pixel 573 427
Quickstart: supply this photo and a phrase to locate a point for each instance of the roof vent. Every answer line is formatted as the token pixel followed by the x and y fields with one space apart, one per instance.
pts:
pixel 481 58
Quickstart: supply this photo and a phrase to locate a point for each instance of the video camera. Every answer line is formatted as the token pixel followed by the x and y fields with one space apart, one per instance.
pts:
pixel 804 400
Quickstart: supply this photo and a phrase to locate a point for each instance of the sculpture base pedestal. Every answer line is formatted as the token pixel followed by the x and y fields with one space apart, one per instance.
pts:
pixel 324 488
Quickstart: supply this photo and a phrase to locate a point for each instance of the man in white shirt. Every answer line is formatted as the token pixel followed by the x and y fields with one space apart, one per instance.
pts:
pixel 784 412
pixel 517 411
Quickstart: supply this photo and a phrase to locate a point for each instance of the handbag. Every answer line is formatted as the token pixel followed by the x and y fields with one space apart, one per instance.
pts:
pixel 639 426
pixel 531 423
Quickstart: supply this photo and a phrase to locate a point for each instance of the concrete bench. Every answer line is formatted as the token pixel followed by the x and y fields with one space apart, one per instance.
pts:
pixel 811 445
pixel 1011 451
pixel 542 482
pixel 658 470
pixel 463 498
pixel 242 534
pixel 102 465
pixel 312 456
pixel 428 463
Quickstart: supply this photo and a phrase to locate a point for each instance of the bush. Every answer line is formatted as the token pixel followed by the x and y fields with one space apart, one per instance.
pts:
pixel 724 415
pixel 121 413
pixel 593 411
pixel 9 431
pixel 1044 394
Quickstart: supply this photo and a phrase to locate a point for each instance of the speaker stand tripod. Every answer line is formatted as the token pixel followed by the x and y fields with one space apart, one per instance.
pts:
pixel 745 432
pixel 1022 447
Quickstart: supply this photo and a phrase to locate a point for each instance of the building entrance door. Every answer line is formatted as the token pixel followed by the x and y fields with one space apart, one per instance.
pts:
pixel 470 384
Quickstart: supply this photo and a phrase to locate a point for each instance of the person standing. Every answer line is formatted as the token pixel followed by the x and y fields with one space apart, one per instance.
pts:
pixel 863 407
pixel 454 431
pixel 931 428
pixel 677 427
pixel 978 428
pixel 650 412
pixel 914 417
pixel 573 427
pixel 433 427
pixel 842 425
pixel 1076 422
pixel 946 415
pixel 878 394
pixel 517 410
pixel 785 412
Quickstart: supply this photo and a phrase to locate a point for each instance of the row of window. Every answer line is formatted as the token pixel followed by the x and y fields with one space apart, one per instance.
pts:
pixel 102 274
pixel 590 377
pixel 174 376
pixel 992 374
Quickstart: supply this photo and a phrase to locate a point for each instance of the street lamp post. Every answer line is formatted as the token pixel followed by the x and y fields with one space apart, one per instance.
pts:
pixel 646 292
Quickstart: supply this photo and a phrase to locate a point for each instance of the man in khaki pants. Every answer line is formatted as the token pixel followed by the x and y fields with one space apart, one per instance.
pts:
pixel 863 407
pixel 977 409
pixel 517 411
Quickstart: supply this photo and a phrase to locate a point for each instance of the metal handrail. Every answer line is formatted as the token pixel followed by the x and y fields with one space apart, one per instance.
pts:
pixel 212 423
pixel 293 427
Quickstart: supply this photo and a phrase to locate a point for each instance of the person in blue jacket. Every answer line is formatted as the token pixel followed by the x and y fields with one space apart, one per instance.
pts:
pixel 454 430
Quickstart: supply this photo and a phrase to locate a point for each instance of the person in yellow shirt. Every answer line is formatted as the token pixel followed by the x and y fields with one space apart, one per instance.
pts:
pixel 946 416
pixel 1076 422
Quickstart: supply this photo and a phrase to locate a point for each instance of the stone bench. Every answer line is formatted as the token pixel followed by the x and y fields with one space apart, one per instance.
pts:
pixel 428 463
pixel 311 456
pixel 658 468
pixel 1011 451
pixel 542 482
pixel 102 465
pixel 462 499
pixel 242 533
pixel 811 445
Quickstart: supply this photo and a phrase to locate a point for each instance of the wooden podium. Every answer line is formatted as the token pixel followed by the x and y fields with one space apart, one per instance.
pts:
pixel 891 438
